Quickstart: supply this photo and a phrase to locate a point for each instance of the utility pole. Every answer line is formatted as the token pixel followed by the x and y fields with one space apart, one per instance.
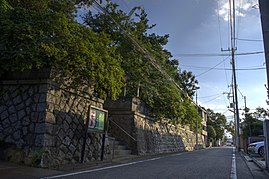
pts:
pixel 236 103
pixel 263 6
pixel 235 99
pixel 235 123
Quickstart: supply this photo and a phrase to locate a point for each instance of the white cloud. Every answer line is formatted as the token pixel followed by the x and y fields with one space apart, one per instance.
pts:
pixel 242 7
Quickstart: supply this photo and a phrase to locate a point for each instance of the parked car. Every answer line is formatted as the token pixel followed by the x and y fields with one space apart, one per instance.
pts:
pixel 256 148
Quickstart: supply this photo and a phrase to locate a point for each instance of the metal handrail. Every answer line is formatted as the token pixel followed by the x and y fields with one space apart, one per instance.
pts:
pixel 123 130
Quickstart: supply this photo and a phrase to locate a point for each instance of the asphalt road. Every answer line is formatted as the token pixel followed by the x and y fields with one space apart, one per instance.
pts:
pixel 215 163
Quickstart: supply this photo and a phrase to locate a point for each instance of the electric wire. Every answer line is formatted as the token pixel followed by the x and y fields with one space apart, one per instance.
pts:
pixel 212 99
pixel 219 28
pixel 143 51
pixel 240 93
pixel 217 54
pixel 238 20
pixel 200 97
pixel 249 40
pixel 212 67
pixel 226 69
pixel 224 99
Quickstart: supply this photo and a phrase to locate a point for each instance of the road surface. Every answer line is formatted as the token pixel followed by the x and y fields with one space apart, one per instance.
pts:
pixel 215 163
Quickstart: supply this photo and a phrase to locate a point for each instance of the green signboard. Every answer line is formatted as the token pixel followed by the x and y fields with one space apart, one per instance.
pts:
pixel 97 119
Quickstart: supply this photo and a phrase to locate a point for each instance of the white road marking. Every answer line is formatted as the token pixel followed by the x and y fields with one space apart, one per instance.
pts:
pixel 233 169
pixel 109 167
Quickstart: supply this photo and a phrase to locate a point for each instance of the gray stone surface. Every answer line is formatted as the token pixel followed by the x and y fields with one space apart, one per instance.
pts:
pixel 44 116
pixel 150 135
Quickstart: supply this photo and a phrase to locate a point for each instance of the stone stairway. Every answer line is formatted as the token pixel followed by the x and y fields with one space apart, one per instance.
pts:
pixel 119 150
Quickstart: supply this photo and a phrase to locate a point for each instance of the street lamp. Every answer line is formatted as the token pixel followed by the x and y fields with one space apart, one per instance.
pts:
pixel 196 89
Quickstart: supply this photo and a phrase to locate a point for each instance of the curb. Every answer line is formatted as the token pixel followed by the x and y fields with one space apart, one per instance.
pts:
pixel 259 164
pixel 255 161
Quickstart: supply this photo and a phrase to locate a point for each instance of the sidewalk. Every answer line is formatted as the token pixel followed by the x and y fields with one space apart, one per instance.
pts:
pixel 15 171
pixel 257 161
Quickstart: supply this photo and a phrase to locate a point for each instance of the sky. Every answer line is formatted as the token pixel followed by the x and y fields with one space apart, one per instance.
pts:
pixel 198 27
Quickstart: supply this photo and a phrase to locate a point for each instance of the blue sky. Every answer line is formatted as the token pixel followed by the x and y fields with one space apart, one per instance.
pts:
pixel 201 27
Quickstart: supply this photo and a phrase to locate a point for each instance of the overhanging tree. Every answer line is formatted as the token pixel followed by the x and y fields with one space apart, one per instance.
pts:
pixel 37 34
pixel 141 52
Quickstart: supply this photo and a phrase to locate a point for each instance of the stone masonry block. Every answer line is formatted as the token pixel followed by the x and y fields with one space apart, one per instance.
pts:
pixel 4 114
pixel 13 118
pixel 20 106
pixel 42 98
pixel 50 118
pixel 40 128
pixel 51 99
pixel 61 134
pixel 5 123
pixel 34 116
pixel 36 98
pixel 50 129
pixel 26 121
pixel 17 100
pixel 48 141
pixel 28 102
pixel 17 135
pixel 2 108
pixel 41 107
pixel 6 97
pixel 24 131
pixel 11 110
pixel 21 114
pixel 39 140
pixel 66 141
pixel 43 88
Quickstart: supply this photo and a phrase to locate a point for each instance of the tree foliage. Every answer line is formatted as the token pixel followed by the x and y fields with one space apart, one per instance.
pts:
pixel 37 34
pixel 188 82
pixel 140 52
pixel 110 50
pixel 252 126
pixel 218 122
pixel 211 133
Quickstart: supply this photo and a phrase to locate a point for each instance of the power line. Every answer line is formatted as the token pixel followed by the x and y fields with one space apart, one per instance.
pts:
pixel 145 52
pixel 250 40
pixel 220 38
pixel 210 96
pixel 238 69
pixel 217 54
pixel 212 67
pixel 212 99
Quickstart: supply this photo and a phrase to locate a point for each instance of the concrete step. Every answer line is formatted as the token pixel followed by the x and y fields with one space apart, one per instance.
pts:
pixel 122 152
pixel 115 142
pixel 120 149
pixel 117 147
pixel 124 157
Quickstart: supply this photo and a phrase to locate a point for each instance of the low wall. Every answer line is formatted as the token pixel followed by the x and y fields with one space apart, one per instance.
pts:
pixel 151 135
pixel 42 124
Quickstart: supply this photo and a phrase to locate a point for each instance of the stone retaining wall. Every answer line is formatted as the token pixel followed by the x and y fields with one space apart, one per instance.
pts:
pixel 150 135
pixel 162 137
pixel 45 124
